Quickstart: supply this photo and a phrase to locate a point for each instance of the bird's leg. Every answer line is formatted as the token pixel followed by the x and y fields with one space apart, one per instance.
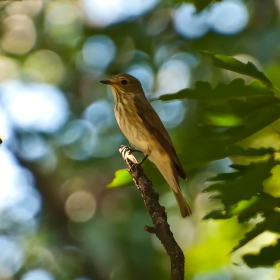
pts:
pixel 126 149
pixel 143 160
pixel 136 151
pixel 138 164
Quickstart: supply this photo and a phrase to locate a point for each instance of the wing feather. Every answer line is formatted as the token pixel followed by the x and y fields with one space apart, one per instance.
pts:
pixel 157 129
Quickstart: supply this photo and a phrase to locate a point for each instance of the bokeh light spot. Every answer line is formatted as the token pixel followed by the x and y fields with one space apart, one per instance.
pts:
pixel 98 52
pixel 37 274
pixel 79 139
pixel 228 17
pixel 35 106
pixel 173 76
pixel 19 36
pixel 106 12
pixel 80 206
pixel 44 66
pixel 171 113
pixel 190 24
pixel 11 257
pixel 30 8
pixel 26 208
pixel 144 74
pixel 62 22
pixel 18 182
pixel 9 69
pixel 32 147
pixel 100 114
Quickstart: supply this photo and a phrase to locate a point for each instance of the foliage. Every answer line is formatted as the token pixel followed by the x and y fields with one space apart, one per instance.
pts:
pixel 122 179
pixel 66 220
pixel 241 192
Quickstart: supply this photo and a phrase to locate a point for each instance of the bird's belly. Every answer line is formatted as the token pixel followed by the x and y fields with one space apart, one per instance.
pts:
pixel 133 128
pixel 137 140
pixel 134 134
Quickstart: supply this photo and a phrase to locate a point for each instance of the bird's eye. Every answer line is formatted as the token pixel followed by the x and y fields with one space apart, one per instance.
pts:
pixel 124 82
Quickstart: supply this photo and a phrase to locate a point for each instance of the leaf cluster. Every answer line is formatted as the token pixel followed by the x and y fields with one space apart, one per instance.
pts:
pixel 225 115
pixel 242 192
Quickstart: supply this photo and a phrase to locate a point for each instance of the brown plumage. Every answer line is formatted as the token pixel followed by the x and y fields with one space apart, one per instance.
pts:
pixel 143 128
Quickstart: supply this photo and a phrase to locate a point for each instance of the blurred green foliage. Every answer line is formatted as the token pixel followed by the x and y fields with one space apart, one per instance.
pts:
pixel 199 4
pixel 224 124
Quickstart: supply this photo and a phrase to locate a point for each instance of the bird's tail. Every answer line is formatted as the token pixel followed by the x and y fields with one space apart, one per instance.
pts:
pixel 183 205
pixel 169 173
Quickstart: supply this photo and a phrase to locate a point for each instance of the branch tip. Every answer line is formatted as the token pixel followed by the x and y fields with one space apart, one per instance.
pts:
pixel 150 229
pixel 157 212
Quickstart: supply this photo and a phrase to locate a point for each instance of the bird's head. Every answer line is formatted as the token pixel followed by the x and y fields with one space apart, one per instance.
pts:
pixel 123 84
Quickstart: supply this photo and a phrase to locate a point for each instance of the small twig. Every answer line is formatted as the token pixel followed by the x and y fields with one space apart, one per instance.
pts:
pixel 161 228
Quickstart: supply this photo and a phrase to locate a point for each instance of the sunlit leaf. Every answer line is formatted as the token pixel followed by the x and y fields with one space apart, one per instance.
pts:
pixel 122 179
pixel 224 120
pixel 243 205
pixel 232 64
pixel 271 223
pixel 268 256
pixel 263 203
pixel 254 122
pixel 249 207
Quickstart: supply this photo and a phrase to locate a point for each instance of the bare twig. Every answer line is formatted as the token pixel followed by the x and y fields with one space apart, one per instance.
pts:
pixel 157 212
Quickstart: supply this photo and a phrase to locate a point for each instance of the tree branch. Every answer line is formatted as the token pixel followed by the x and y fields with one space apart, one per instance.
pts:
pixel 157 212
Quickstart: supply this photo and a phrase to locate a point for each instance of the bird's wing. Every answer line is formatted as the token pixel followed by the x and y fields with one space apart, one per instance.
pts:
pixel 157 129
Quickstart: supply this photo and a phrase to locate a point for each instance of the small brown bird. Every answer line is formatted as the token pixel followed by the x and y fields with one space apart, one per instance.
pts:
pixel 143 128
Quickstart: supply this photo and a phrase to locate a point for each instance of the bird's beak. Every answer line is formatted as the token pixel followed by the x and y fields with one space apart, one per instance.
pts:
pixel 106 82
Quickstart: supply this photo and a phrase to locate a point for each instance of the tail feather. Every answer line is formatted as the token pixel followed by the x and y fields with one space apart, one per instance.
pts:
pixel 168 171
pixel 183 205
pixel 172 180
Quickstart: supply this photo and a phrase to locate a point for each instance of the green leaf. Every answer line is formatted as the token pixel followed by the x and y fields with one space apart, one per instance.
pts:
pixel 235 89
pixel 122 179
pixel 246 209
pixel 232 64
pixel 271 223
pixel 262 203
pixel 224 120
pixel 244 184
pixel 200 152
pixel 254 107
pixel 252 152
pixel 268 256
pixel 242 194
pixel 217 215
pixel 253 122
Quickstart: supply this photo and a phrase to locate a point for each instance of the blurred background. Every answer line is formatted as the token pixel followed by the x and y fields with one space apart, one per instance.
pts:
pixel 58 219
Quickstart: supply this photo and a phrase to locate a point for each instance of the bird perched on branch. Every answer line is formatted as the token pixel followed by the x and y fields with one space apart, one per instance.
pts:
pixel 145 131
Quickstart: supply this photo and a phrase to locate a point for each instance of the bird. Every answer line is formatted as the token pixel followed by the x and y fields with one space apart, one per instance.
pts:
pixel 145 131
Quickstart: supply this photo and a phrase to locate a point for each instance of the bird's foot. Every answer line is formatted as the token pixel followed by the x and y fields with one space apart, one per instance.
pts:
pixel 127 149
pixel 135 165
